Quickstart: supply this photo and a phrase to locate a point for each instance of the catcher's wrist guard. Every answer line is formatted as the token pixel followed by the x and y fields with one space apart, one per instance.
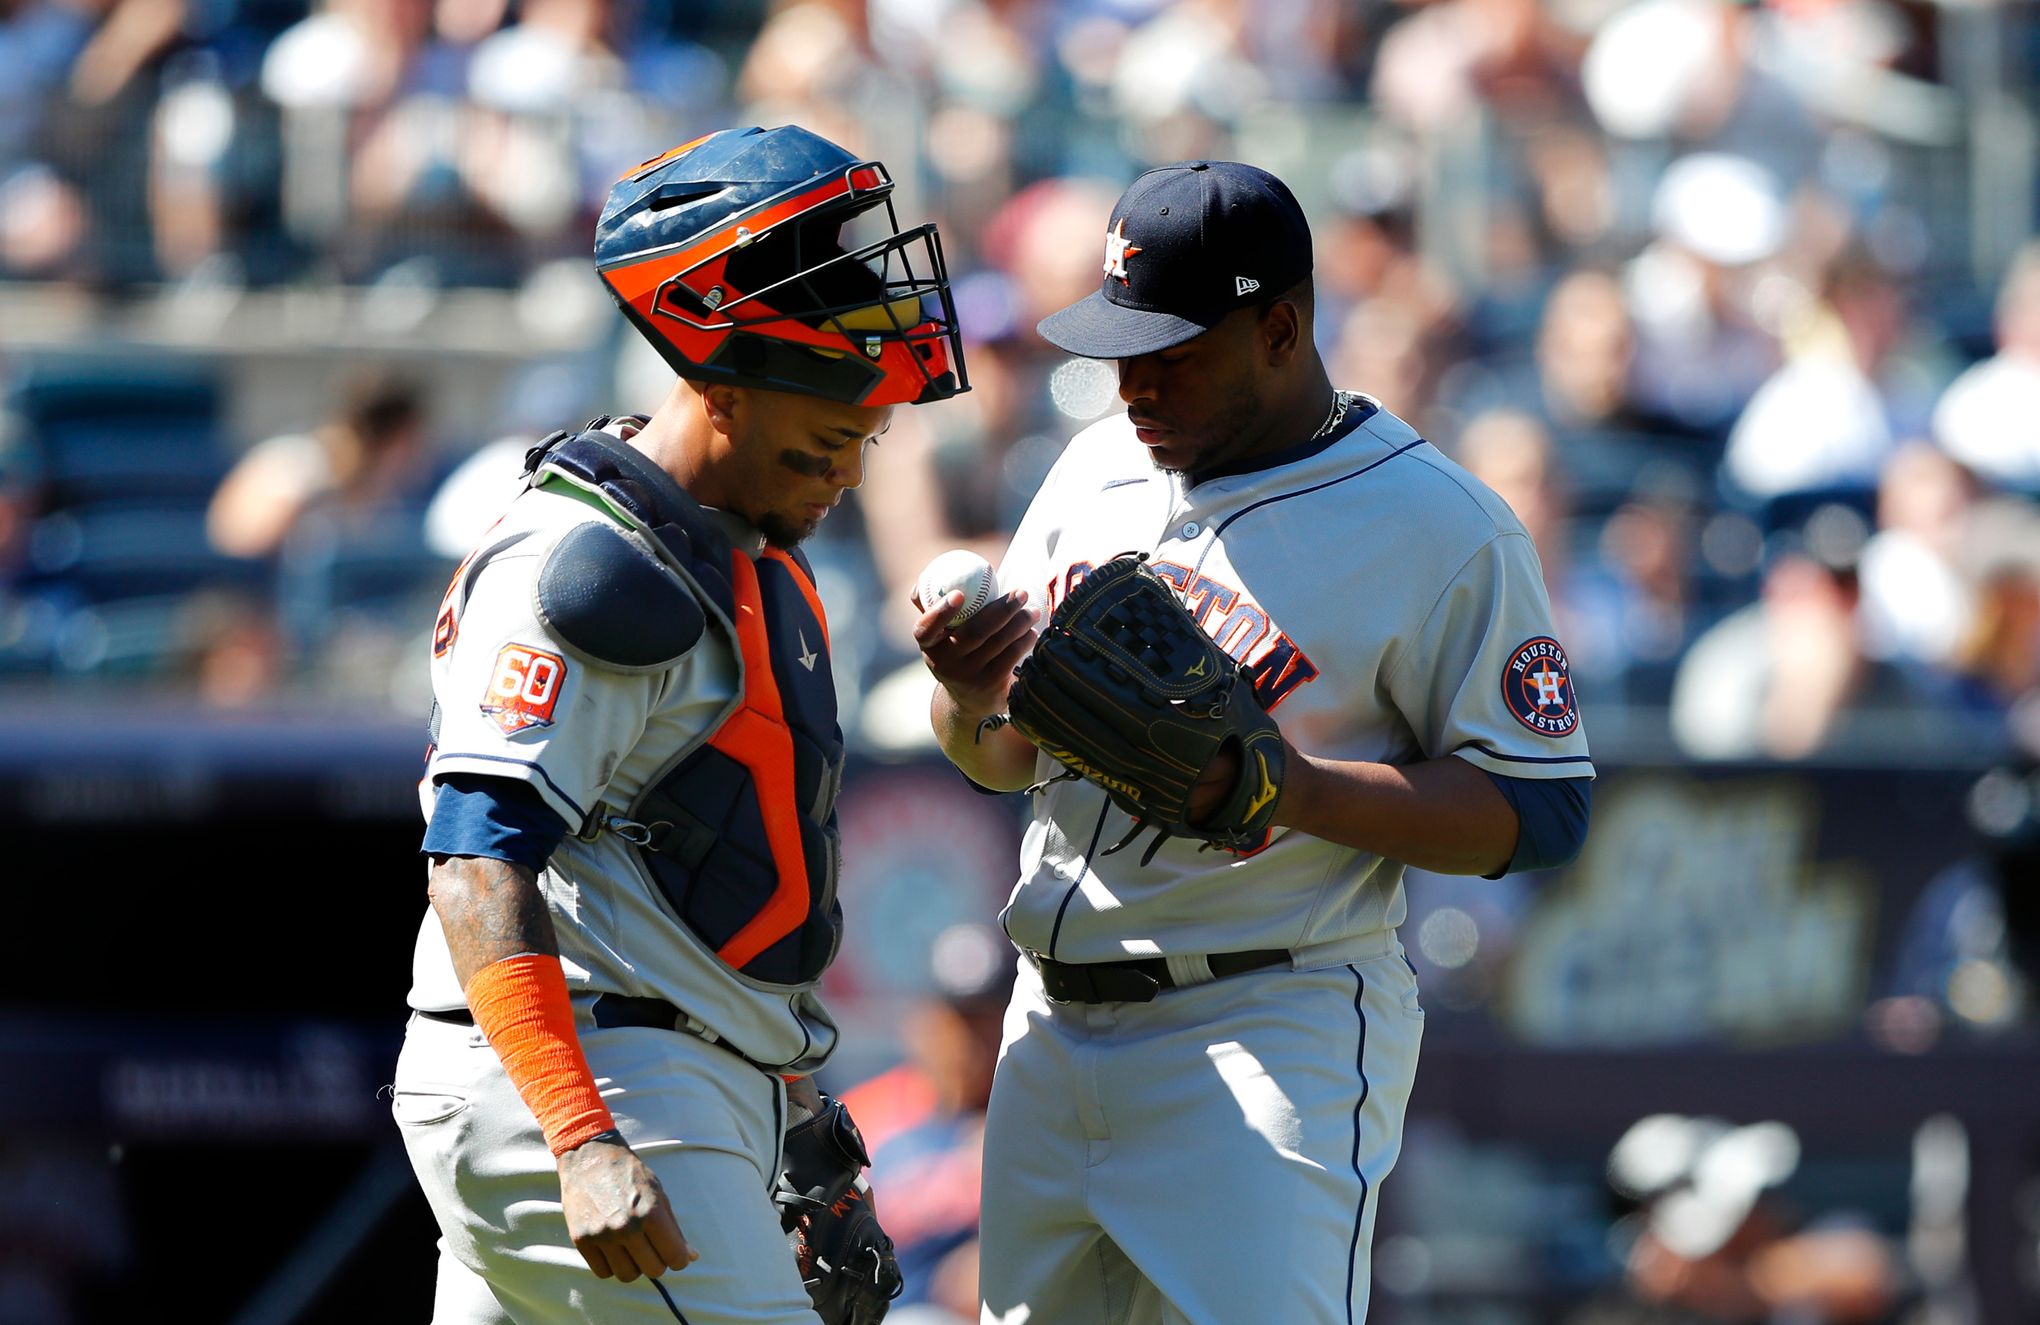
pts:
pixel 845 1258
pixel 1127 691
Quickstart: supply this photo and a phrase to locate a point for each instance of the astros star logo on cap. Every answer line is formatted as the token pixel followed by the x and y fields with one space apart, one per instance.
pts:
pixel 1117 251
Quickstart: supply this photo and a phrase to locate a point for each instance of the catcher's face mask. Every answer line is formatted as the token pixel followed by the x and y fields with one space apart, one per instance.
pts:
pixel 729 255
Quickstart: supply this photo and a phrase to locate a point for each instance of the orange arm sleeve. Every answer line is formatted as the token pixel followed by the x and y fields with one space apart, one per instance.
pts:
pixel 521 1005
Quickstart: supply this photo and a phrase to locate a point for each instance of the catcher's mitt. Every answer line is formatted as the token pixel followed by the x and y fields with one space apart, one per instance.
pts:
pixel 845 1258
pixel 1127 691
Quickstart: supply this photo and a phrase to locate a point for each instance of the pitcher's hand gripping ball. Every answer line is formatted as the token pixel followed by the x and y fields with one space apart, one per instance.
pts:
pixel 1126 690
pixel 955 570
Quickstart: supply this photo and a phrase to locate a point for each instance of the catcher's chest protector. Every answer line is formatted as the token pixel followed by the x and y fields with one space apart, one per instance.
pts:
pixel 741 831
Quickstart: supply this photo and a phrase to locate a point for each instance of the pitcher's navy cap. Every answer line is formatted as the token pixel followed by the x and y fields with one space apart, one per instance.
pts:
pixel 1186 245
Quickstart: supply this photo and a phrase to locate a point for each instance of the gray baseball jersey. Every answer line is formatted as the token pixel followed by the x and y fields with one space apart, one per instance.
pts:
pixel 1388 607
pixel 516 701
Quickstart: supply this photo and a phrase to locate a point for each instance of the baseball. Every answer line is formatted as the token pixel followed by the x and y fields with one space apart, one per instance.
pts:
pixel 958 569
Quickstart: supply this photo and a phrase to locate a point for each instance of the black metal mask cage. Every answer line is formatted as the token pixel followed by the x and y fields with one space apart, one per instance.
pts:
pixel 864 301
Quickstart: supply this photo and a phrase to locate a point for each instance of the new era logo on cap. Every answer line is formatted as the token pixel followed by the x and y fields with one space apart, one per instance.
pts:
pixel 1168 244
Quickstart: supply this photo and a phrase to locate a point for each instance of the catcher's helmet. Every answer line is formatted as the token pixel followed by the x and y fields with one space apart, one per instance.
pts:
pixel 725 253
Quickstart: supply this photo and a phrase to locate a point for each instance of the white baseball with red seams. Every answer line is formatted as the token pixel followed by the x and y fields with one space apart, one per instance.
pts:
pixel 958 568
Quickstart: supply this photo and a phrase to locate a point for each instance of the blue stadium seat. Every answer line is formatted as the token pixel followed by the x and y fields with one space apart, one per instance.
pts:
pixel 108 553
pixel 170 460
pixel 121 431
pixel 134 637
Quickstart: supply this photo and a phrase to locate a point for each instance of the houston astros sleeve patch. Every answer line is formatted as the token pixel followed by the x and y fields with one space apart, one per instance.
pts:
pixel 523 687
pixel 1537 687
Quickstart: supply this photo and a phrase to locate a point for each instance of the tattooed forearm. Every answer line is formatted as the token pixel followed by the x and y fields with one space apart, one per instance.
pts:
pixel 490 910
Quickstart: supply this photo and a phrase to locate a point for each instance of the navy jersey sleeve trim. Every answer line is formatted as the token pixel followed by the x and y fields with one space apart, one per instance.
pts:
pixel 1493 753
pixel 1551 814
pixel 516 763
pixel 474 814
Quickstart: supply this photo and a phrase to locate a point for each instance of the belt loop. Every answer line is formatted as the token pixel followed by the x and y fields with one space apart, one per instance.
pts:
pixel 1190 969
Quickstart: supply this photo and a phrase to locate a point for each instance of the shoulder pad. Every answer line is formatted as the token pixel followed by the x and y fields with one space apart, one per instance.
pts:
pixel 614 604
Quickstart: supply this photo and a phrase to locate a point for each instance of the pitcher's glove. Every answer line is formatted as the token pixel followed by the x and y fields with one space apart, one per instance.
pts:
pixel 845 1258
pixel 1128 691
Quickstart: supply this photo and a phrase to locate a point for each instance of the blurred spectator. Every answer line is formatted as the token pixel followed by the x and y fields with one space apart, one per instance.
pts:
pixel 556 49
pixel 1585 347
pixel 1703 73
pixel 1512 453
pixel 1446 59
pixel 232 649
pixel 1633 610
pixel 71 161
pixel 1914 600
pixel 1044 244
pixel 1776 678
pixel 1370 251
pixel 192 138
pixel 1986 417
pixel 924 1120
pixel 471 498
pixel 1709 1236
pixel 350 55
pixel 1578 382
pixel 1969 949
pixel 1998 656
pixel 1822 421
pixel 1702 349
pixel 131 36
pixel 367 459
pixel 39 41
pixel 1385 350
pixel 804 68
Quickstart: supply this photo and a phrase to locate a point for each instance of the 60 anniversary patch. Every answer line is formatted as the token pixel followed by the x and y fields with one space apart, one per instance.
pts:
pixel 1537 687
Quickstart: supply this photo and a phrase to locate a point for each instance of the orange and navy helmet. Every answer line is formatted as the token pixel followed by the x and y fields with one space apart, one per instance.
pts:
pixel 727 254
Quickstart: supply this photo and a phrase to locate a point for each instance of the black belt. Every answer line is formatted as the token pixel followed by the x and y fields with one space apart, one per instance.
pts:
pixel 1139 979
pixel 610 1010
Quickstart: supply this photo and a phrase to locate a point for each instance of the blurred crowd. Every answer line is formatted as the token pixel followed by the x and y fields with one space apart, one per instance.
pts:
pixel 1735 304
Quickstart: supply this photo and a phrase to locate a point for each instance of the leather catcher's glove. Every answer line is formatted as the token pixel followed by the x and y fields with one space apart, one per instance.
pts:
pixel 1128 691
pixel 845 1258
